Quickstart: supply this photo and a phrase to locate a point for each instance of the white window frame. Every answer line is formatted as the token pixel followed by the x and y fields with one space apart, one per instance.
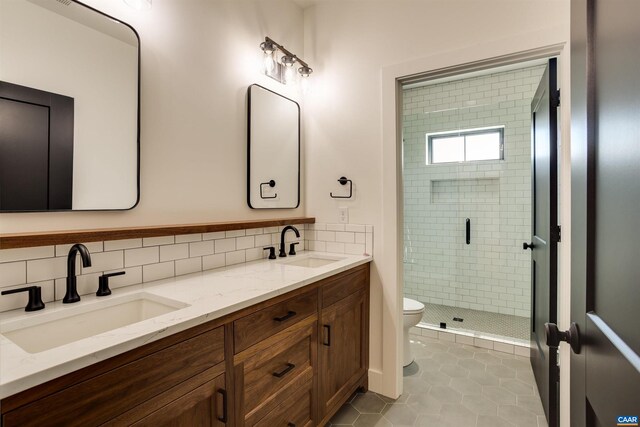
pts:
pixel 464 133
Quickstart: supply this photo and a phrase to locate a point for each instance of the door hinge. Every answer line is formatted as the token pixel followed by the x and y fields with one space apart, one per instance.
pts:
pixel 556 234
pixel 555 98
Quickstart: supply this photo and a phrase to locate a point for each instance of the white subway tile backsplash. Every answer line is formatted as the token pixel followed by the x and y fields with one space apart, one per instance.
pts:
pixel 103 261
pixel 189 265
pixel 63 250
pixel 173 252
pixel 155 258
pixel 254 254
pixel 187 238
pixel 142 256
pixel 354 249
pixel 132 276
pixel 245 242
pixel 225 245
pixel 263 240
pixel 357 228
pixel 210 262
pixel 335 247
pixel 13 273
pixel 159 271
pixel 114 245
pixel 345 237
pixel 46 269
pixel 213 236
pixel 236 257
pixel 326 236
pixel 317 246
pixel 201 248
pixel 23 254
pixel 157 241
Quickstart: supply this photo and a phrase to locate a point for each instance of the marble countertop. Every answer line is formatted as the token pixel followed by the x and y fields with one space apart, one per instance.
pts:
pixel 208 295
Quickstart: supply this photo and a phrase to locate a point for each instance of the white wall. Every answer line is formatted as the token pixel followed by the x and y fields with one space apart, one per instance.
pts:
pixel 350 44
pixel 492 273
pixel 198 59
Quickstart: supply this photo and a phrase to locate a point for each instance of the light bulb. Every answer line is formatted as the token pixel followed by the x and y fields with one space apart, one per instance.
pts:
pixel 269 63
pixel 289 75
pixel 289 69
pixel 305 71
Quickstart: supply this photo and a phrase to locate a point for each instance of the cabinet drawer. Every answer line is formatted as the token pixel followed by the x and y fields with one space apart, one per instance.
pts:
pixel 123 388
pixel 264 323
pixel 295 411
pixel 345 284
pixel 270 371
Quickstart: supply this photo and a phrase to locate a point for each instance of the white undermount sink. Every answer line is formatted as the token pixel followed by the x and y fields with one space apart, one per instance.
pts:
pixel 312 261
pixel 49 330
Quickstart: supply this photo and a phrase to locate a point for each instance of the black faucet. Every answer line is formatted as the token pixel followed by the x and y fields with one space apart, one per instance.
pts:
pixel 283 253
pixel 72 291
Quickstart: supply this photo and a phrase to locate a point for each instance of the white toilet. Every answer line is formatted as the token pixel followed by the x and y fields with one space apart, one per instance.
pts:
pixel 412 315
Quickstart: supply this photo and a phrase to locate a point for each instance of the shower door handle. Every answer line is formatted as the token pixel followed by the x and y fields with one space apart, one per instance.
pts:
pixel 468 228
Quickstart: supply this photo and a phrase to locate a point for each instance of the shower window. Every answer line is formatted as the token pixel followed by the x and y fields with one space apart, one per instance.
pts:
pixel 466 145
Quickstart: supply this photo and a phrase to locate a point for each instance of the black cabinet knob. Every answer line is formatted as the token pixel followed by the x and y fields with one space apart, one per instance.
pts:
pixel 526 246
pixel 35 297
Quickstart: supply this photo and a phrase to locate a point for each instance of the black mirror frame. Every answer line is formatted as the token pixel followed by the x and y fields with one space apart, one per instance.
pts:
pixel 137 130
pixel 249 148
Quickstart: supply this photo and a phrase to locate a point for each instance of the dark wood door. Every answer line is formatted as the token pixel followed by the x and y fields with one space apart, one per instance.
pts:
pixel 24 156
pixel 605 188
pixel 342 359
pixel 543 245
pixel 203 406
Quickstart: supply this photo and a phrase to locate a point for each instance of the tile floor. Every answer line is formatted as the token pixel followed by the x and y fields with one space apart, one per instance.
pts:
pixel 452 384
pixel 504 325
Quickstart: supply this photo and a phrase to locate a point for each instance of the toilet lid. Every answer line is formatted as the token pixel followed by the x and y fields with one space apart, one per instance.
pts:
pixel 412 306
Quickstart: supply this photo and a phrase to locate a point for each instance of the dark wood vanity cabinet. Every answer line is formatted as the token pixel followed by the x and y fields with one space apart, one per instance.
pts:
pixel 291 360
pixel 344 340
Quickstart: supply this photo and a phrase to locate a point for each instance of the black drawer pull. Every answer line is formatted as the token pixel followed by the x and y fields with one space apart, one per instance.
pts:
pixel 223 418
pixel 286 370
pixel 327 336
pixel 291 425
pixel 287 316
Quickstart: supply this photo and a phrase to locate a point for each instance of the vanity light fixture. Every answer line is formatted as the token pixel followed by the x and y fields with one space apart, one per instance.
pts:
pixel 139 4
pixel 282 68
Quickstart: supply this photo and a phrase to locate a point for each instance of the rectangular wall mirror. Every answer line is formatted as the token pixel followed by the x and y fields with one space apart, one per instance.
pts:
pixel 69 108
pixel 273 150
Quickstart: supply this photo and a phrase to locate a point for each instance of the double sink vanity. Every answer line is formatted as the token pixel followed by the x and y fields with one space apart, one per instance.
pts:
pixel 267 343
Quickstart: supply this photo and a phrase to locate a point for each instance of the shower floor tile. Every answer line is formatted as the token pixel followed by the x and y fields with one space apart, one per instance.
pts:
pixel 503 325
pixel 439 394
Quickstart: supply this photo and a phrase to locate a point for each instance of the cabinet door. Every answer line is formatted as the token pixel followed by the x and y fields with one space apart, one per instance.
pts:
pixel 342 350
pixel 205 405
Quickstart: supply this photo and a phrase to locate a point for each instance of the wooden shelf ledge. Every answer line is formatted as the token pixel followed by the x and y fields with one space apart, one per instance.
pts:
pixel 46 238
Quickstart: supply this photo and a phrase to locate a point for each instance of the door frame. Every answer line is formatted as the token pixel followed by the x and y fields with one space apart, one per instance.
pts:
pixel 539 45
